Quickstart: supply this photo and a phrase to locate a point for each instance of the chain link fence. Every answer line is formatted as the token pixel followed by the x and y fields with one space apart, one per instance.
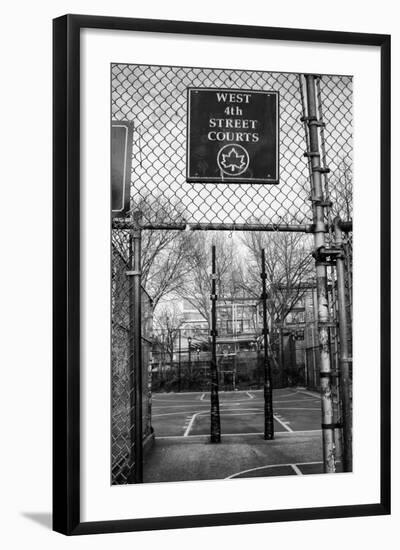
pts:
pixel 154 98
pixel 240 362
pixel 122 367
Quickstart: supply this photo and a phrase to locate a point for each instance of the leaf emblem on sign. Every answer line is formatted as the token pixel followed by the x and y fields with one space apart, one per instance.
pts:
pixel 233 160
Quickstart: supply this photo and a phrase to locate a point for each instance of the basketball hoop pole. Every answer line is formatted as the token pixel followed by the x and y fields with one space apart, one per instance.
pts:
pixel 268 410
pixel 215 418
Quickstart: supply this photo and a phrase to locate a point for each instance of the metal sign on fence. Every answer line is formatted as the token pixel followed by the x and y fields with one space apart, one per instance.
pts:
pixel 232 136
pixel 121 163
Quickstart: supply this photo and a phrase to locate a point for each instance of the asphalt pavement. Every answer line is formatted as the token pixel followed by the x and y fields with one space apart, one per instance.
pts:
pixel 182 449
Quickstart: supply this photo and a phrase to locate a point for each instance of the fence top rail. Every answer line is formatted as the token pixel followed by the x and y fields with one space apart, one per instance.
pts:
pixel 346 226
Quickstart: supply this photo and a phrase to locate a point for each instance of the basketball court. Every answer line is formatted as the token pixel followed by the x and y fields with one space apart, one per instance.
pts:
pixel 182 450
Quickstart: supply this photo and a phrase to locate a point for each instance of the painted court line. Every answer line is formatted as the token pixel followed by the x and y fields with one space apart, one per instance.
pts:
pixel 206 412
pixel 267 466
pixel 175 403
pixel 309 394
pixel 241 434
pixel 258 410
pixel 298 408
pixel 297 469
pixel 180 406
pixel 299 401
pixel 177 412
pixel 283 423
pixel 241 413
pixel 189 427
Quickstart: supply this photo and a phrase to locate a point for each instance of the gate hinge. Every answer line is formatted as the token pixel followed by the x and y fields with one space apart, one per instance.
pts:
pixel 133 273
pixel 213 297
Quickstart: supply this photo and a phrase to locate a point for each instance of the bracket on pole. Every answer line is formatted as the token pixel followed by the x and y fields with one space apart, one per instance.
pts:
pixel 320 202
pixel 312 121
pixel 330 374
pixel 327 256
pixel 332 426
pixel 320 169
pixel 327 324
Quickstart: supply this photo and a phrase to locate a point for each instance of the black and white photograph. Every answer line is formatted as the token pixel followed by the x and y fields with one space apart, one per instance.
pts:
pixel 198 284
pixel 232 281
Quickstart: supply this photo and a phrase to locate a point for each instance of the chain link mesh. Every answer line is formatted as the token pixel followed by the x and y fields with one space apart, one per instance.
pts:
pixel 122 386
pixel 155 99
pixel 336 110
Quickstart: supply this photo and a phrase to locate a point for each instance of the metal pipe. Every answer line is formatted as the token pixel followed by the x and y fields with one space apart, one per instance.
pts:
pixel 131 364
pixel 215 416
pixel 294 228
pixel 190 358
pixel 268 410
pixel 304 228
pixel 344 358
pixel 135 348
pixel 328 426
pixel 179 360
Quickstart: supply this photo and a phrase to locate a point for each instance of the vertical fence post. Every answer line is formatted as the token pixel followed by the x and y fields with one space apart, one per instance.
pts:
pixel 268 410
pixel 179 360
pixel 135 348
pixel 282 357
pixel 344 359
pixel 215 417
pixel 328 426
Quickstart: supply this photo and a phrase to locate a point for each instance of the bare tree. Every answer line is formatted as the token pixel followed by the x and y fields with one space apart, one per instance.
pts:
pixel 166 261
pixel 341 190
pixel 166 254
pixel 288 265
pixel 197 286
pixel 168 321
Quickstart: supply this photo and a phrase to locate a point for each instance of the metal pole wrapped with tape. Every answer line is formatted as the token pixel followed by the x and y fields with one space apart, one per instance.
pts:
pixel 215 417
pixel 320 228
pixel 135 349
pixel 268 410
pixel 344 357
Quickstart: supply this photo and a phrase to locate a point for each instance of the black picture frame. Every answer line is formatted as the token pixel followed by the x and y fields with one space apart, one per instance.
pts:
pixel 66 272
